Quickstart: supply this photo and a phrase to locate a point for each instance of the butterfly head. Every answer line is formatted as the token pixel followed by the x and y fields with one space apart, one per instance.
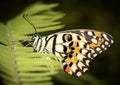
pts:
pixel 36 37
pixel 36 40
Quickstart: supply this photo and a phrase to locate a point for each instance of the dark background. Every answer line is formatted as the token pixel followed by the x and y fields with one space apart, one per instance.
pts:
pixel 103 15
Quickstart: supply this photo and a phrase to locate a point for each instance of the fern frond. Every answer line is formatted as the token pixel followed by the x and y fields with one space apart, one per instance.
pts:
pixel 19 65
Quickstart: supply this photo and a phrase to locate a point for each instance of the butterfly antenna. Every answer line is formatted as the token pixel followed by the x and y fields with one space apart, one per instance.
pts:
pixel 26 17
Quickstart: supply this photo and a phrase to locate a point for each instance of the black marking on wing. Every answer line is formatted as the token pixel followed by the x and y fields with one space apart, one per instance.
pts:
pixel 54 44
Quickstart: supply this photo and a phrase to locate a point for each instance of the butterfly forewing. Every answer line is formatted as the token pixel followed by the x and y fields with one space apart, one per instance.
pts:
pixel 76 47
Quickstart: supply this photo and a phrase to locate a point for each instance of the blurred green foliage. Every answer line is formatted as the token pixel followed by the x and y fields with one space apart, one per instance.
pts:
pixel 103 15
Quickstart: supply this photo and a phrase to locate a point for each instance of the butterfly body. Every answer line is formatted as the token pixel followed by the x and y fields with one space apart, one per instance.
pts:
pixel 77 47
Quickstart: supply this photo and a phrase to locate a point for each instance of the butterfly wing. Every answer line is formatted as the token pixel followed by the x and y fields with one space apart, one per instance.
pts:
pixel 77 47
pixel 80 46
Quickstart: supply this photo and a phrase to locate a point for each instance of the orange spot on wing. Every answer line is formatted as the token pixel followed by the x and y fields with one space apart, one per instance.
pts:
pixel 77 49
pixel 93 45
pixel 98 34
pixel 74 43
pixel 67 38
pixel 68 50
pixel 75 59
pixel 102 40
pixel 67 69
pixel 68 60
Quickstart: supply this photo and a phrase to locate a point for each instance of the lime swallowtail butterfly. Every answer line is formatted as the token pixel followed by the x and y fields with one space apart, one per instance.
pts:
pixel 77 47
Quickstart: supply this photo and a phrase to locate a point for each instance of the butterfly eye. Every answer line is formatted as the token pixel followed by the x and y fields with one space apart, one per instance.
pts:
pixel 34 36
pixel 67 37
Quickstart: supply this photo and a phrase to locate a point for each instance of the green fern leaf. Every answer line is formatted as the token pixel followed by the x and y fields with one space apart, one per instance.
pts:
pixel 19 65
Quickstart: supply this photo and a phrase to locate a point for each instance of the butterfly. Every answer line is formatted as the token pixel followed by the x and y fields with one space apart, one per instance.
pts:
pixel 76 47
